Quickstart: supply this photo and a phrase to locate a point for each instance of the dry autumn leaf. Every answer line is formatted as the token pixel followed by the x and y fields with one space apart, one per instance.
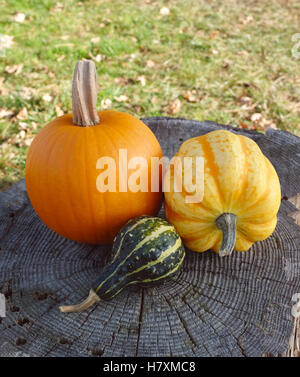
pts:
pixel 95 40
pixel 58 7
pixel 98 58
pixel 214 34
pixel 245 100
pixel 260 122
pixel 174 106
pixel 59 112
pixel 150 64
pixel 246 20
pixel 164 11
pixel 154 100
pixel 27 93
pixel 19 17
pixel 6 41
pixel 3 90
pixel 105 103
pixel 190 97
pixel 22 114
pixel 4 113
pixel 47 98
pixel 121 81
pixel 142 80
pixel 15 69
pixel 122 98
pixel 23 126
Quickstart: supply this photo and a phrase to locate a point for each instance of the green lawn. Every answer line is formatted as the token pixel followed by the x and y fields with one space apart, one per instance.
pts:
pixel 224 60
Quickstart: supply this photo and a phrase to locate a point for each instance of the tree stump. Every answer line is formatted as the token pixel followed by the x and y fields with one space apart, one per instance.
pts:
pixel 237 306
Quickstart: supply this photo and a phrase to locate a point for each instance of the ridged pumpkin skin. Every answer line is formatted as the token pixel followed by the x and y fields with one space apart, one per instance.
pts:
pixel 61 176
pixel 238 179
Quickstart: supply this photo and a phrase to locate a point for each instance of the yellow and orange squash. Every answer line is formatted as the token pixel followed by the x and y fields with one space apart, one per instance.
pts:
pixel 241 195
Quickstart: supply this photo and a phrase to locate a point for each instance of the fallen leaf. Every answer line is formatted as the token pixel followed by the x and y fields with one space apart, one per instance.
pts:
pixel 95 40
pixel 22 114
pixel 22 134
pixel 58 7
pixel 190 97
pixel 226 64
pixel 6 41
pixel 256 117
pixel 6 113
pixel 98 58
pixel 47 98
pixel 65 45
pixel 61 58
pixel 164 11
pixel 27 142
pixel 121 81
pixel 131 57
pixel 246 20
pixel 214 34
pixel 174 106
pixel 142 80
pixel 15 69
pixel 150 64
pixel 59 112
pixel 26 93
pixel 121 98
pixel 261 122
pixel 3 90
pixel 154 100
pixel 4 146
pixel 106 103
pixel 245 100
pixel 23 126
pixel 19 17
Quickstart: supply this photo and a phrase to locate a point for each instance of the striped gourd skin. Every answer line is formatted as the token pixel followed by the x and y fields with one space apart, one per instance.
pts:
pixel 147 251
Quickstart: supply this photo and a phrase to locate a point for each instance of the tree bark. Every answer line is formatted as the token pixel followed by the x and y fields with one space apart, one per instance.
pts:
pixel 235 306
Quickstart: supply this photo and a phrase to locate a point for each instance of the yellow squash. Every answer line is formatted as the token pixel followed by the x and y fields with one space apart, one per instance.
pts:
pixel 241 194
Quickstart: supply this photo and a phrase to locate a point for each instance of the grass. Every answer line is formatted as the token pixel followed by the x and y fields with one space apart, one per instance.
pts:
pixel 227 61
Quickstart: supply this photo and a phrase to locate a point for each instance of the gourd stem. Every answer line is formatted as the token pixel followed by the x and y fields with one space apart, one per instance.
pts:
pixel 227 223
pixel 90 300
pixel 84 94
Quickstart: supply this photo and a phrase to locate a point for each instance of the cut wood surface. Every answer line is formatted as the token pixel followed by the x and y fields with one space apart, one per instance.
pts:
pixel 233 306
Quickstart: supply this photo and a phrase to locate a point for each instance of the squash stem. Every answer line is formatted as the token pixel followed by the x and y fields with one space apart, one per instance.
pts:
pixel 84 94
pixel 227 223
pixel 90 300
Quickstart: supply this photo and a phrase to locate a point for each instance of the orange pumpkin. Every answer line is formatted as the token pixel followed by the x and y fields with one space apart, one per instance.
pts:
pixel 61 167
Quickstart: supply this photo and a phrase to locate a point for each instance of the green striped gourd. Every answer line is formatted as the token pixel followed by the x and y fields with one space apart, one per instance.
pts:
pixel 147 251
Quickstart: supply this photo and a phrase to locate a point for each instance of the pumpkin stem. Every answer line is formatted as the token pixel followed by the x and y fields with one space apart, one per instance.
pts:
pixel 84 94
pixel 90 300
pixel 227 223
